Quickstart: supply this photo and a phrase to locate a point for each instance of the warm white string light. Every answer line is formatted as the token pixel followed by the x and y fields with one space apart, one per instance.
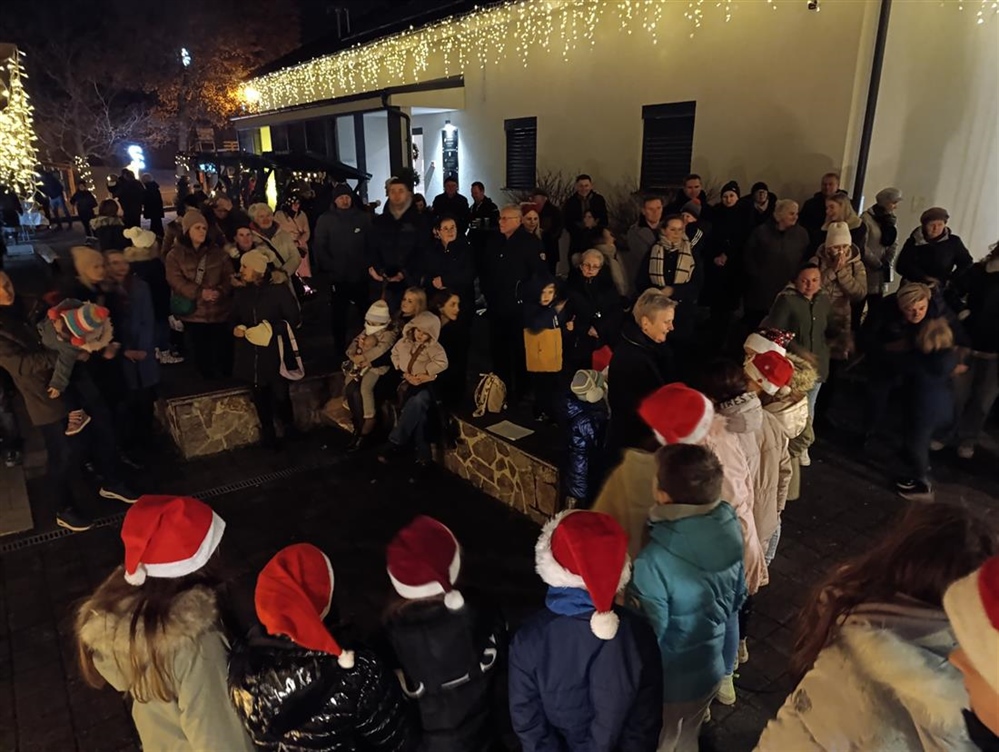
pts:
pixel 18 157
pixel 523 28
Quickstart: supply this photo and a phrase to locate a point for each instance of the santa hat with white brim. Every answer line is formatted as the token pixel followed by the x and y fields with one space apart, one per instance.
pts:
pixel 972 605
pixel 677 414
pixel 168 537
pixel 771 370
pixel 589 551
pixel 424 560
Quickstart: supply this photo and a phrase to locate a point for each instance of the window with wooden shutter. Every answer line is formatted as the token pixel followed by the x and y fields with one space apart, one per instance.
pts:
pixel 521 153
pixel 667 144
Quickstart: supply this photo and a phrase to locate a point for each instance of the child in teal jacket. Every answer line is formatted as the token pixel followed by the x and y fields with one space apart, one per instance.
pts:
pixel 689 581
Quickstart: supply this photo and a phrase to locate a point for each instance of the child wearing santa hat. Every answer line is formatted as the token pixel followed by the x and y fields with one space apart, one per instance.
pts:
pixel 294 685
pixel 689 581
pixel 450 653
pixel 152 629
pixel 585 673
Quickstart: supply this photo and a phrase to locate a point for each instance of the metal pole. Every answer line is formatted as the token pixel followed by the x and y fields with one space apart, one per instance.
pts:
pixel 880 43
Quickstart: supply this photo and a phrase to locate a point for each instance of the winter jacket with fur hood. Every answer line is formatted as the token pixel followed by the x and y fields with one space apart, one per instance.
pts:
pixel 807 320
pixel 924 261
pixel 883 684
pixel 431 359
pixel 844 286
pixel 202 717
pixel 764 441
pixel 791 412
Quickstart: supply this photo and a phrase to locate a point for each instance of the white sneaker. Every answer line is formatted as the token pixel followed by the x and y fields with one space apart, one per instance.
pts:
pixel 167 358
pixel 726 691
pixel 743 652
pixel 967 450
pixel 936 446
pixel 176 324
pixel 804 460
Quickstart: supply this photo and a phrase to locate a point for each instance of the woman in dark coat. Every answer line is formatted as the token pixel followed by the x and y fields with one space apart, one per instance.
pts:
pixel 293 685
pixel 107 226
pixel 731 224
pixel 932 254
pixel 449 266
pixel 456 339
pixel 263 308
pixel 595 310
pixel 152 204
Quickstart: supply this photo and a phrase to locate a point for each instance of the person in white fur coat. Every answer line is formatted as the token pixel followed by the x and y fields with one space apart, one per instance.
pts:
pixel 873 644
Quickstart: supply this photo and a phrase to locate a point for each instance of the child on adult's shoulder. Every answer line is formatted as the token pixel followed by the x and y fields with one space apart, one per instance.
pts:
pixel 585 673
pixel 545 316
pixel 689 582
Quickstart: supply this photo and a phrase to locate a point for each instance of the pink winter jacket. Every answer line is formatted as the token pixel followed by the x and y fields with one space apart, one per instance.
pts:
pixel 737 490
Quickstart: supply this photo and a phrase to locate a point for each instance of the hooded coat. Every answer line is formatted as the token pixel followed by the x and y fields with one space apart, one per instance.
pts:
pixel 884 683
pixel 202 717
pixel 271 301
pixel 410 357
pixel 29 364
pixel 294 699
pixel 182 271
pixel 586 424
pixel 627 496
pixel 844 286
pixel 570 690
pixel 938 260
pixel 808 320
pixel 764 440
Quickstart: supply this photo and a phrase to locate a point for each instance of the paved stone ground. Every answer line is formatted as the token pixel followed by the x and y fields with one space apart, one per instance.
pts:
pixel 351 509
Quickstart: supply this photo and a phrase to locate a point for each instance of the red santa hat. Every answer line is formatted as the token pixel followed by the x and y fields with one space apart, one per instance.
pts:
pixel 586 550
pixel 771 370
pixel 677 414
pixel 424 560
pixel 168 536
pixel 972 605
pixel 768 340
pixel 293 596
pixel 601 359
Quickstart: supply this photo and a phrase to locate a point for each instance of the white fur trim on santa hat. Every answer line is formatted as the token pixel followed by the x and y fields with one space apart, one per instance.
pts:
pixel 329 603
pixel 754 373
pixel 554 574
pixel 757 343
pixel 346 659
pixel 971 625
pixel 183 567
pixel 430 589
pixel 699 432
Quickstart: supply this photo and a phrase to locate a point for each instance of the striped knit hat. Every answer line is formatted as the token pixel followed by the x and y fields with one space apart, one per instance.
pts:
pixel 88 324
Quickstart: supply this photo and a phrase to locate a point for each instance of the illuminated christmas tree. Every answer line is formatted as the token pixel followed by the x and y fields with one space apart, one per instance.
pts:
pixel 18 157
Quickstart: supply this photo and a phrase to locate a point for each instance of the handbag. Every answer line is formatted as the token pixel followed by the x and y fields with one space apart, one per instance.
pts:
pixel 544 350
pixel 181 305
pixel 297 370
pixel 490 395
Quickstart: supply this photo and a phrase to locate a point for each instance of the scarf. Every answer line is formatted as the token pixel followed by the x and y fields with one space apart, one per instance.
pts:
pixel 569 601
pixel 269 233
pixel 886 222
pixel 684 263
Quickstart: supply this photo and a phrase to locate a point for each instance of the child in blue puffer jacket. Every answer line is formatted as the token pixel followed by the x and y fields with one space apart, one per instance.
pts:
pixel 585 673
pixel 689 581
pixel 585 415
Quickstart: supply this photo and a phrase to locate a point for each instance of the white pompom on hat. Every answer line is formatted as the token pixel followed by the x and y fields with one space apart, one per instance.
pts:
pixel 424 560
pixel 589 551
pixel 168 537
pixel 972 605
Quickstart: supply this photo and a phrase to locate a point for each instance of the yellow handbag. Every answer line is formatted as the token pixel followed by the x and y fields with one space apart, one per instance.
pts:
pixel 544 350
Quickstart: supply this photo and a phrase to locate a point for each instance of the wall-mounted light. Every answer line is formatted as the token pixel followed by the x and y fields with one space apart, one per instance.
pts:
pixel 814 5
pixel 448 128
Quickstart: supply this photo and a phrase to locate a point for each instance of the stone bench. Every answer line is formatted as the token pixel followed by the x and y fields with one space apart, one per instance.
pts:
pixel 218 421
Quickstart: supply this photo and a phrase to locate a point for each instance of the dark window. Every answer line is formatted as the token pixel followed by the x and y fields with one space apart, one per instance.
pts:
pixel 667 143
pixel 521 153
pixel 279 138
pixel 315 135
pixel 296 138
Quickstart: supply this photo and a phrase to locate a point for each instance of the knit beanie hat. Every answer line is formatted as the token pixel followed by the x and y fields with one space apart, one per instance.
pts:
pixel 838 233
pixel 191 218
pixel 589 386
pixel 589 551
pixel 933 214
pixel 692 207
pixel 771 370
pixel 342 189
pixel 259 335
pixel 424 560
pixel 85 258
pixel 377 317
pixel 677 414
pixel 140 238
pixel 972 605
pixel 760 186
pixel 294 594
pixel 255 260
pixel 731 185
pixel 168 537
pixel 88 324
pixel 768 340
pixel 888 196
pixel 527 206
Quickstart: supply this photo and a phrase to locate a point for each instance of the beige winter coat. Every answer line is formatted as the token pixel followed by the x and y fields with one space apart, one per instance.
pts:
pixel 764 441
pixel 627 495
pixel 182 273
pixel 202 718
pixel 432 359
pixel 284 248
pixel 881 686
pixel 297 226
pixel 844 286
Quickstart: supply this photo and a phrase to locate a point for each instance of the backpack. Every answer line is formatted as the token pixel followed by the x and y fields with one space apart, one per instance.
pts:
pixel 490 395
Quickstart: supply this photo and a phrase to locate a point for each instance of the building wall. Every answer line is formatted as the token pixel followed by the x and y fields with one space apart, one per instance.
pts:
pixel 471 150
pixel 936 135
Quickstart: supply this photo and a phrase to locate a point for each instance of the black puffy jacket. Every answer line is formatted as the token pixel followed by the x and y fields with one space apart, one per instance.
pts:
pixel 291 699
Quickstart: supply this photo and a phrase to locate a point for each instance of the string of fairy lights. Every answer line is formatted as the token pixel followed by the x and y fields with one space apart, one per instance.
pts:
pixel 521 29
pixel 18 156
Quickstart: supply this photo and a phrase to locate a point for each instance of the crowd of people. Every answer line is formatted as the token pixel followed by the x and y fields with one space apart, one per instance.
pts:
pixel 689 483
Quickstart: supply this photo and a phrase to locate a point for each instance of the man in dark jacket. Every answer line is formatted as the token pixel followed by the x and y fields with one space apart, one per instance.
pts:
pixel 29 365
pixel 339 262
pixel 452 204
pixel 693 190
pixel 130 195
pixel 483 219
pixel 511 258
pixel 152 204
pixel 584 201
pixel 759 204
pixel 772 256
pixel 813 211
pixel 398 239
pixel 933 254
pixel 551 224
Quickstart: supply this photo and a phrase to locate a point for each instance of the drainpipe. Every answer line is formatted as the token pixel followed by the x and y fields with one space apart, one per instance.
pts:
pixel 877 64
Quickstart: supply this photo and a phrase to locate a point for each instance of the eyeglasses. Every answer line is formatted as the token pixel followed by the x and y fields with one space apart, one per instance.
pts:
pixel 508 219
